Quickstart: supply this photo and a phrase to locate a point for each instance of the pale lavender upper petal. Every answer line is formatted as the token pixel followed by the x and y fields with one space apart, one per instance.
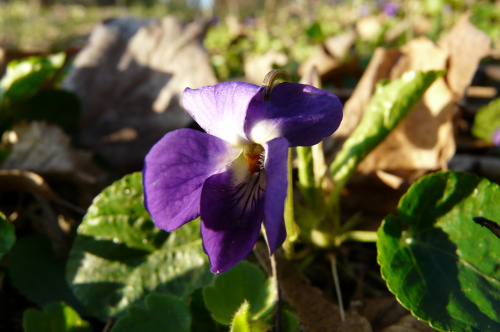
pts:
pixel 231 217
pixel 303 114
pixel 221 109
pixel 174 172
pixel 276 191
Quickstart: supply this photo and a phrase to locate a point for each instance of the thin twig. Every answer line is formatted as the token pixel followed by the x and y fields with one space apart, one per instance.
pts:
pixel 333 263
pixel 111 321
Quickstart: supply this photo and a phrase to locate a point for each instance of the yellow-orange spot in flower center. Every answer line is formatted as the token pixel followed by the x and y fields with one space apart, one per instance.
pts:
pixel 253 157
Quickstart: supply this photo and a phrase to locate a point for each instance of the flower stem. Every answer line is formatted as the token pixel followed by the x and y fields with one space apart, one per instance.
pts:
pixel 360 236
pixel 277 318
pixel 292 230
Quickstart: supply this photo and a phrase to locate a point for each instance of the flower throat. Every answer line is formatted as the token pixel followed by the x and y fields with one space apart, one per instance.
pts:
pixel 253 157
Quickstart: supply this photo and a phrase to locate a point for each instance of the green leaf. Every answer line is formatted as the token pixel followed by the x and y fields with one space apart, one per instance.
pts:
pixel 487 121
pixel 243 322
pixel 163 313
pixel 292 230
pixel 38 274
pixel 7 235
pixel 390 104
pixel 438 262
pixel 290 322
pixel 4 153
pixel 241 319
pixel 119 255
pixel 22 79
pixel 202 319
pixel 230 290
pixel 307 184
pixel 56 317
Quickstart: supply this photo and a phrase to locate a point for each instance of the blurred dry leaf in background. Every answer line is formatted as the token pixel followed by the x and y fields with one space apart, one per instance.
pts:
pixel 130 78
pixel 45 149
pixel 424 140
pixel 329 56
pixel 257 66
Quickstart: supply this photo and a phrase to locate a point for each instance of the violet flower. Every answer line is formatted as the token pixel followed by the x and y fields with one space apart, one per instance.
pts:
pixel 234 177
pixel 390 9
pixel 496 137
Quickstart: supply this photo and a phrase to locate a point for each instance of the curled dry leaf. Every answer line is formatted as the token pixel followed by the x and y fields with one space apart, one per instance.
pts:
pixel 37 211
pixel 466 45
pixel 425 139
pixel 130 78
pixel 257 66
pixel 44 148
pixel 329 58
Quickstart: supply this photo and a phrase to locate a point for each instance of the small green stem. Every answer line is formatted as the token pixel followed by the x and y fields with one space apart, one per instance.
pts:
pixel 277 319
pixel 306 171
pixel 360 236
pixel 292 230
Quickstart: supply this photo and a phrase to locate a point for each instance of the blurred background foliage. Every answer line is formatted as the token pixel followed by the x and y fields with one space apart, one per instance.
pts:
pixel 240 28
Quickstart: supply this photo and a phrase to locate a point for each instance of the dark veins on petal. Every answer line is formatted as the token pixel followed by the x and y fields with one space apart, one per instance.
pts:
pixel 225 207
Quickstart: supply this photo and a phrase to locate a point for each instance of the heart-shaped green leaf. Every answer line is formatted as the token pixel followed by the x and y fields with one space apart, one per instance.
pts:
pixel 231 289
pixel 438 262
pixel 119 256
pixel 38 274
pixel 163 312
pixel 202 319
pixel 56 317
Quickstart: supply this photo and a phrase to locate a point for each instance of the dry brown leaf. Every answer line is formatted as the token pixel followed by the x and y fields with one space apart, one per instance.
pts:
pixel 340 45
pixel 44 148
pixel 409 324
pixel 257 66
pixel 314 311
pixel 15 179
pixel 38 210
pixel 382 312
pixel 466 46
pixel 130 78
pixel 424 140
pixel 321 60
pixel 493 72
pixel 378 69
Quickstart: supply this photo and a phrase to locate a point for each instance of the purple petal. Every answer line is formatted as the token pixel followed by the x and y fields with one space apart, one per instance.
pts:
pixel 231 217
pixel 221 109
pixel 175 170
pixel 276 191
pixel 496 137
pixel 303 114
